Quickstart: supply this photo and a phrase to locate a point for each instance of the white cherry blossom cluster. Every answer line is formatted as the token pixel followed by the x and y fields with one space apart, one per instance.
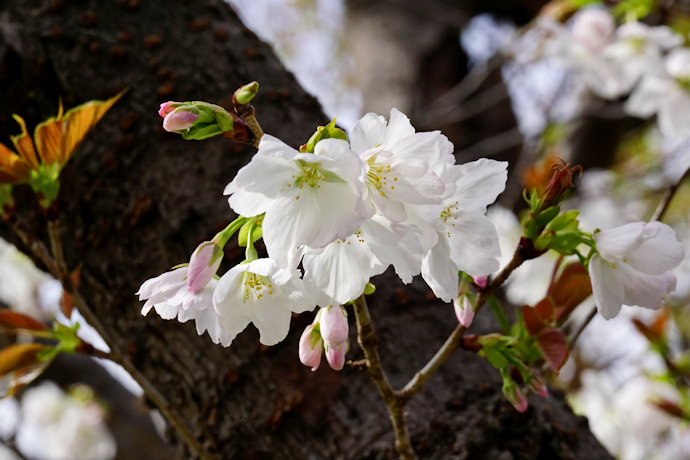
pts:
pixel 647 63
pixel 330 221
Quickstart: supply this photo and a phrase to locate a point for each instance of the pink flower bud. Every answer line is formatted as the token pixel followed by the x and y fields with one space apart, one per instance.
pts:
pixel 179 119
pixel 517 398
pixel 167 108
pixel 334 326
pixel 481 281
pixel 536 385
pixel 463 310
pixel 203 265
pixel 310 355
pixel 336 356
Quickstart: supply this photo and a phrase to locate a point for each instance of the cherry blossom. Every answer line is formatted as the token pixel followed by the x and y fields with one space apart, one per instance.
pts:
pixel 632 266
pixel 261 293
pixel 307 198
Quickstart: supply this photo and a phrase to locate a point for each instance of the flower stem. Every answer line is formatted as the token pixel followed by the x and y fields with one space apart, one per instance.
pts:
pixel 668 196
pixel 417 382
pixel 366 337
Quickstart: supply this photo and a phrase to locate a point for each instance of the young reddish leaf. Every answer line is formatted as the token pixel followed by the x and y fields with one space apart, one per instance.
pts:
pixel 544 310
pixel 649 333
pixel 570 290
pixel 659 323
pixel 532 321
pixel 14 320
pixel 553 346
pixel 670 408
pixel 19 356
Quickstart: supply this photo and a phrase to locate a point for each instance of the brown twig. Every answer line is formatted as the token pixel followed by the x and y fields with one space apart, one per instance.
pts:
pixel 396 400
pixel 660 211
pixel 366 337
pixel 578 331
pixel 455 338
pixel 60 271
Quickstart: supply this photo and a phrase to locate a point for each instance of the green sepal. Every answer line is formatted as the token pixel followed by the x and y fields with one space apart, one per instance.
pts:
pixel 44 181
pixel 369 289
pixel 199 132
pixel 5 196
pixel 324 132
pixel 257 233
pixel 246 93
pixel 225 121
pixel 315 335
pixel 494 357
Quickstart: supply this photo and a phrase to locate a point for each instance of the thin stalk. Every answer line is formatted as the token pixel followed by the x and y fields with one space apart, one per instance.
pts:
pixel 366 336
pixel 455 338
pixel 660 211
pixel 583 326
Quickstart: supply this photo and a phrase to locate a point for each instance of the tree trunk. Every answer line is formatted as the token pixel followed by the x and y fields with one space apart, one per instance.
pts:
pixel 136 201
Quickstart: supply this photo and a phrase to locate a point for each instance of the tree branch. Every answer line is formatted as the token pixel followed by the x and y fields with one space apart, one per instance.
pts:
pixel 668 196
pixel 455 338
pixel 60 271
pixel 366 336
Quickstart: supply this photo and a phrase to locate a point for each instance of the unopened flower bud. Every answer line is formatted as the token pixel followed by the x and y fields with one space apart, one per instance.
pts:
pixel 179 119
pixel 168 107
pixel 336 356
pixel 309 348
pixel 334 326
pixel 463 310
pixel 593 28
pixel 536 385
pixel 559 186
pixel 480 281
pixel 246 93
pixel 203 265
pixel 515 396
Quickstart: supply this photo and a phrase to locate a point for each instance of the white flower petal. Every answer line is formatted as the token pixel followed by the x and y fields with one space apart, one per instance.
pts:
pixel 440 273
pixel 658 253
pixel 616 243
pixel 606 287
pixel 399 127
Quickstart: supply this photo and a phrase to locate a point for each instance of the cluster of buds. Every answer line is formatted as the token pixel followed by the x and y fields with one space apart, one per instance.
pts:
pixel 329 331
pixel 200 120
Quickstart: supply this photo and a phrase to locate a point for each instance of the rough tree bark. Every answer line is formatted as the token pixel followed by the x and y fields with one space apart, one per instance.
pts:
pixel 135 201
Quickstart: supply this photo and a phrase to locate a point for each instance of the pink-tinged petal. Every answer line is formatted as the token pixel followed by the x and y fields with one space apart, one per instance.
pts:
pixel 336 356
pixel 607 287
pixel 167 108
pixel 516 397
pixel 615 244
pixel 658 253
pixel 310 355
pixel 334 325
pixel 463 310
pixel 179 119
pixel 202 266
pixel 481 281
pixel 553 346
pixel 538 386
